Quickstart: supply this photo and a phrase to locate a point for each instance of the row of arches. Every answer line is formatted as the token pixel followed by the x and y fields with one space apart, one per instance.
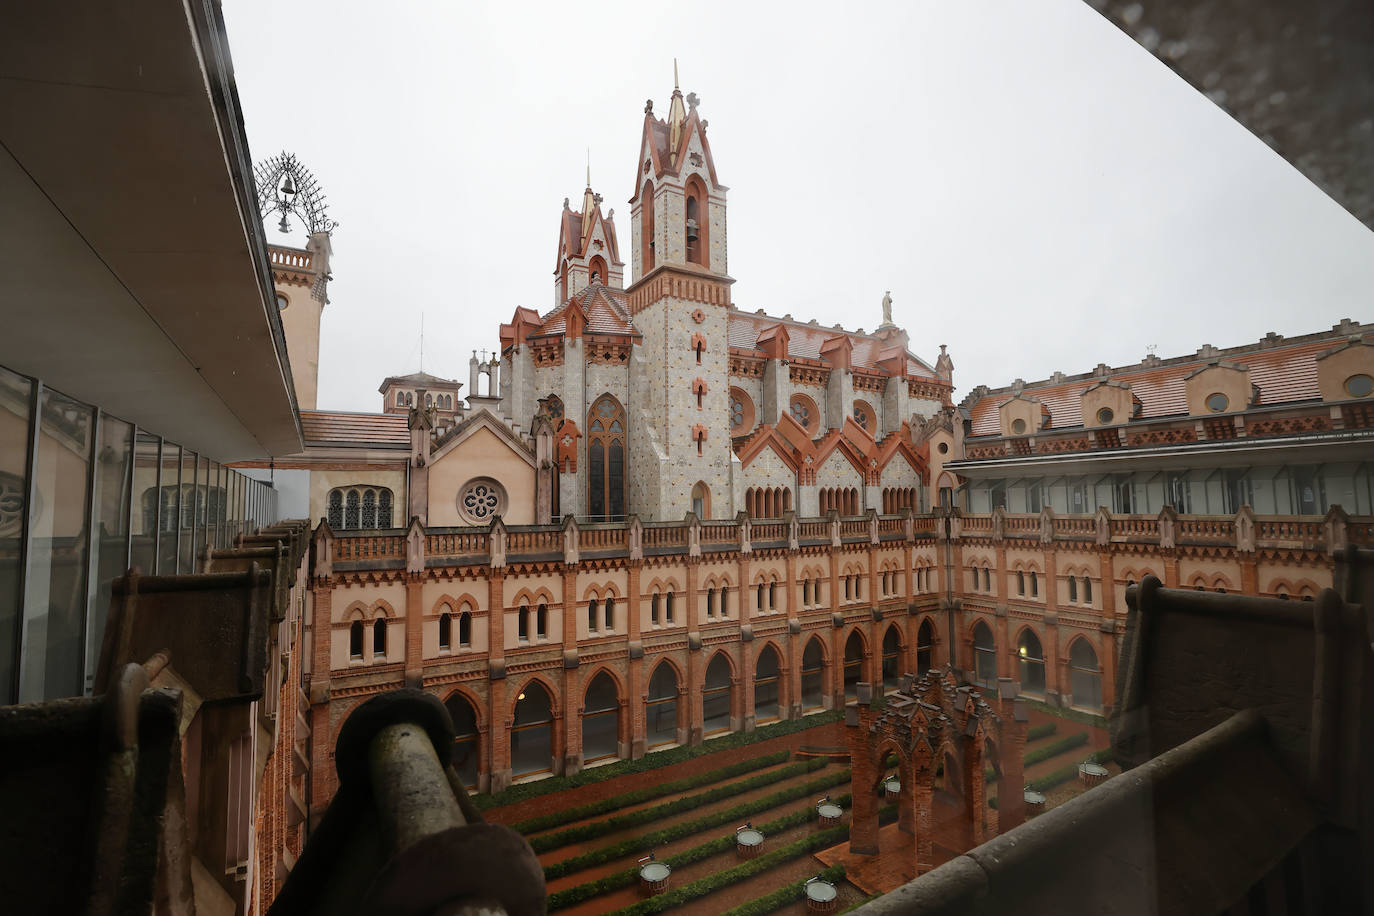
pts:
pixel 844 500
pixel 1084 673
pixel 605 720
pixel 767 502
pixel 895 499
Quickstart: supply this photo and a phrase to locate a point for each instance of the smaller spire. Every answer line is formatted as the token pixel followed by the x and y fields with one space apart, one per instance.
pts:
pixel 677 116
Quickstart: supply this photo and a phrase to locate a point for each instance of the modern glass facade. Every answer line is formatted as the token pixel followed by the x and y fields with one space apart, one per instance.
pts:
pixel 1309 489
pixel 83 497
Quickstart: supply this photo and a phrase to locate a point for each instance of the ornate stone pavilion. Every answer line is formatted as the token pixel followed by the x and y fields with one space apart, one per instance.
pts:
pixel 944 737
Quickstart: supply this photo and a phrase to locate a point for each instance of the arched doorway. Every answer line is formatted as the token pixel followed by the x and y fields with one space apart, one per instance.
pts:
pixel 531 737
pixel 892 659
pixel 766 683
pixel 925 646
pixel 660 710
pixel 715 697
pixel 1085 678
pixel 853 664
pixel 984 655
pixel 467 744
pixel 813 676
pixel 600 720
pixel 1031 658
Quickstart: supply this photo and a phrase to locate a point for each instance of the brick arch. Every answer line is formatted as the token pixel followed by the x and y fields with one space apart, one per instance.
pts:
pixel 385 607
pixel 593 590
pixel 1039 637
pixel 884 747
pixel 678 671
pixel 973 625
pixel 663 586
pixel 476 702
pixel 358 610
pixel 555 699
pixel 337 729
pixel 782 657
pixel 533 599
pixel 1068 648
pixel 465 602
pixel 820 641
pixel 621 692
pixel 901 634
pixel 1137 577
pixel 863 639
pixel 729 660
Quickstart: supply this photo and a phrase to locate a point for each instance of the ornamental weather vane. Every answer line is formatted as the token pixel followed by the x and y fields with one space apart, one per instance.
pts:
pixel 287 187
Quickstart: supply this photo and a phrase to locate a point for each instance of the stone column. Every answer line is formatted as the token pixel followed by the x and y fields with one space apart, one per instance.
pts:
pixel 1011 748
pixel 637 686
pixel 1170 559
pixel 975 808
pixel 414 616
pixel 925 824
pixel 863 829
pixel 499 717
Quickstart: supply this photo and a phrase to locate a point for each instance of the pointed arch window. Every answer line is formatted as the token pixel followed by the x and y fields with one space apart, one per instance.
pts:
pixel 445 632
pixel 355 640
pixel 464 630
pixel 606 459
pixel 379 638
pixel 646 227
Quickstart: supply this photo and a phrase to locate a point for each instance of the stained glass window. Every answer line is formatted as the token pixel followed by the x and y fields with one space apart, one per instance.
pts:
pixel 606 458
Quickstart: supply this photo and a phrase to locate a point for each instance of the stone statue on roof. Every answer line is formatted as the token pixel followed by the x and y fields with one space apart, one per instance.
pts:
pixel 887 309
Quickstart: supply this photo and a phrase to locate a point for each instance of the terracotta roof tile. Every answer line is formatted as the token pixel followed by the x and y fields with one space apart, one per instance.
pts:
pixel 1283 374
pixel 604 307
pixel 804 341
pixel 333 427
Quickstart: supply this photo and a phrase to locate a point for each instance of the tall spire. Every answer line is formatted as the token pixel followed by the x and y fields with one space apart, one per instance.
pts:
pixel 677 116
pixel 588 198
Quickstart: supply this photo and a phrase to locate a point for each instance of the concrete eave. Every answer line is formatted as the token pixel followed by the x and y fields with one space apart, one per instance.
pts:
pixel 133 267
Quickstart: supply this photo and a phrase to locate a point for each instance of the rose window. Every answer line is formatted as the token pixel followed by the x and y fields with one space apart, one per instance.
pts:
pixel 736 413
pixel 801 413
pixel 481 499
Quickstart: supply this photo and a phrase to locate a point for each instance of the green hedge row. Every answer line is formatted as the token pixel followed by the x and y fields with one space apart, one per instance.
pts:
pixel 703 886
pixel 1064 712
pixel 721 879
pixel 1045 752
pixel 614 882
pixel 528 790
pixel 648 793
pixel 687 828
pixel 762 906
pixel 1043 730
pixel 594 829
pixel 1062 775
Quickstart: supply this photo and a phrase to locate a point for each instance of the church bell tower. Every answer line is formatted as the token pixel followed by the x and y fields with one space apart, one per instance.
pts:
pixel 680 454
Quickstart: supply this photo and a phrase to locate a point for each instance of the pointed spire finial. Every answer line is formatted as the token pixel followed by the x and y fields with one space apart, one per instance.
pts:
pixel 589 166
pixel 675 85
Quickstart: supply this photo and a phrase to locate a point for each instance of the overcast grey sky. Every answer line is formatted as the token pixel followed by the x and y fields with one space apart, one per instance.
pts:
pixel 1037 191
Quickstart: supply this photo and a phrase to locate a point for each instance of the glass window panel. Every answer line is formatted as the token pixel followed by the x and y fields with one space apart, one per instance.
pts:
pixel 55 578
pixel 16 396
pixel 169 511
pixel 147 499
pixel 190 506
pixel 112 526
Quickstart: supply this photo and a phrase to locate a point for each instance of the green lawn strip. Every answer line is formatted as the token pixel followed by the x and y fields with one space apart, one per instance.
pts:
pixel 1060 776
pixel 583 832
pixel 528 790
pixel 1063 712
pixel 1046 752
pixel 614 882
pixel 687 828
pixel 648 793
pixel 762 906
pixel 703 886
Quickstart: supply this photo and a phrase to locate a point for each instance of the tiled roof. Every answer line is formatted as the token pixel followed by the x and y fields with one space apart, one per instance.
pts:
pixel 604 307
pixel 329 427
pixel 1283 375
pixel 804 341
